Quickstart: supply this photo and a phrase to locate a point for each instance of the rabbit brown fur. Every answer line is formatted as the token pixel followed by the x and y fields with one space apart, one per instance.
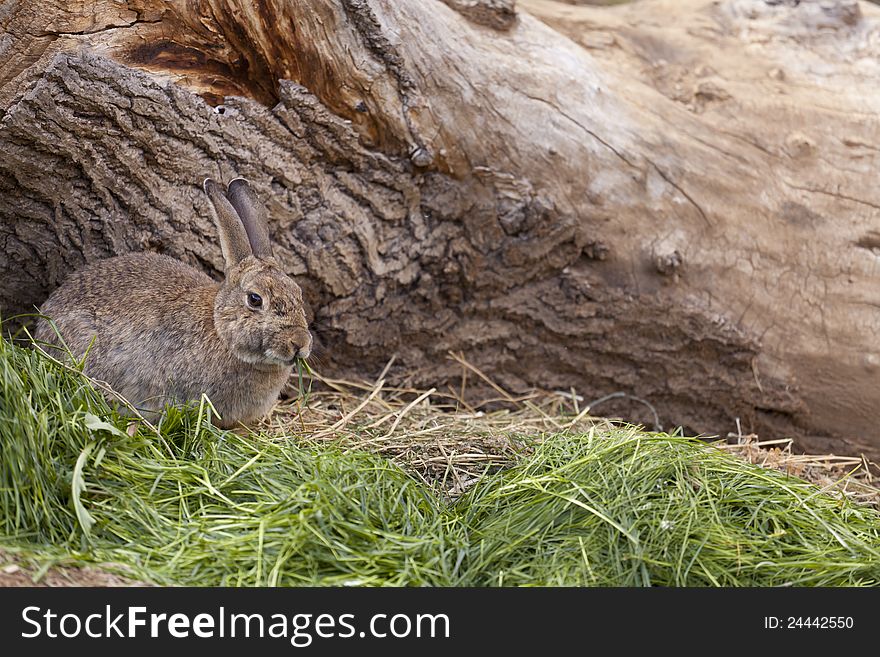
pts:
pixel 165 332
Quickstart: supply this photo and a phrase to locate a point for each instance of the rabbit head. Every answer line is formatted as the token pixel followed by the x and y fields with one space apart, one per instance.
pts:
pixel 258 310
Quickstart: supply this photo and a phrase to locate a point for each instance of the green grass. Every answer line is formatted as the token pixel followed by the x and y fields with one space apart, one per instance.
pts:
pixel 194 505
pixel 645 509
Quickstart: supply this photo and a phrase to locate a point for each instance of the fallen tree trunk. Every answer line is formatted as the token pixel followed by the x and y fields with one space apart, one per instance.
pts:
pixel 676 199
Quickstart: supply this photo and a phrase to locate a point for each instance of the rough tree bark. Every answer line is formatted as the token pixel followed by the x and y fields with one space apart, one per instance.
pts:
pixel 676 199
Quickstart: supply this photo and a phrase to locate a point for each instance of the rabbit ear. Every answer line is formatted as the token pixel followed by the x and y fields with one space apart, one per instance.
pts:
pixel 252 216
pixel 233 237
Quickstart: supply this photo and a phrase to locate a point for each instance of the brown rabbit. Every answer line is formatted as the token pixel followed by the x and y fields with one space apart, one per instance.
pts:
pixel 165 332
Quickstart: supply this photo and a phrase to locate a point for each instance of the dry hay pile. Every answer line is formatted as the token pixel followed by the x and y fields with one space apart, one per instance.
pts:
pixel 445 441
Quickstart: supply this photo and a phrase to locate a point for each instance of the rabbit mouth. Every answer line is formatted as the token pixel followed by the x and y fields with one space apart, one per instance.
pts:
pixel 268 360
pixel 277 359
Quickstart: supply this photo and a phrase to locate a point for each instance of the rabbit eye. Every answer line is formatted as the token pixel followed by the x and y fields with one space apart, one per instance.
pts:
pixel 254 300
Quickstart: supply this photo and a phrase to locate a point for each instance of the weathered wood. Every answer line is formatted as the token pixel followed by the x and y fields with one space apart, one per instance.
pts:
pixel 677 199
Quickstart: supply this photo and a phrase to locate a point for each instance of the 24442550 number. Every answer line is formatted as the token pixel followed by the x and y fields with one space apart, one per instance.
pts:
pixel 808 622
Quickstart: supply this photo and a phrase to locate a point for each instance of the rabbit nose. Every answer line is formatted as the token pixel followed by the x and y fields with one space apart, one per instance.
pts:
pixel 299 354
pixel 302 346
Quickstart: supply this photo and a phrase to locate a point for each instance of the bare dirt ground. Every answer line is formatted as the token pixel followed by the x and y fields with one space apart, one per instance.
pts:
pixel 14 572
